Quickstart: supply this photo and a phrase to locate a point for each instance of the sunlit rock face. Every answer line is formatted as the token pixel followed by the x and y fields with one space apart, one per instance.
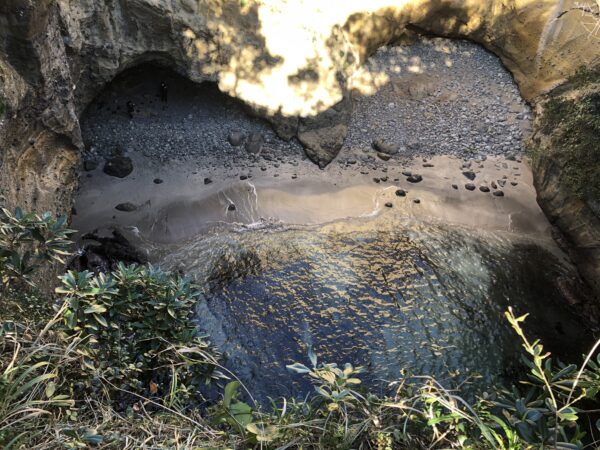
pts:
pixel 295 63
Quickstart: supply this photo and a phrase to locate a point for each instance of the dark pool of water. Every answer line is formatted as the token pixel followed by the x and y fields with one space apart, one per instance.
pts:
pixel 417 299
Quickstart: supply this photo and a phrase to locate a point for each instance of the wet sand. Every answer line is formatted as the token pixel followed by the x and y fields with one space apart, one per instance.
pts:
pixel 183 205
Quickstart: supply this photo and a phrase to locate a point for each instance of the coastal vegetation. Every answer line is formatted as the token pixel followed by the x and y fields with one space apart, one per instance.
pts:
pixel 114 361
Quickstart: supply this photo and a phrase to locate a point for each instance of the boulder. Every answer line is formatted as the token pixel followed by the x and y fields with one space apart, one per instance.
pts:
pixel 382 146
pixel 235 138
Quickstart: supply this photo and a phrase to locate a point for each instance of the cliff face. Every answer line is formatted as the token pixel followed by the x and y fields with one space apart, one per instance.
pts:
pixel 566 149
pixel 292 62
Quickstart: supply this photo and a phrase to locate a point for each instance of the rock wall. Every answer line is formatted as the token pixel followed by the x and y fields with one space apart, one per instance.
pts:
pixel 566 154
pixel 290 61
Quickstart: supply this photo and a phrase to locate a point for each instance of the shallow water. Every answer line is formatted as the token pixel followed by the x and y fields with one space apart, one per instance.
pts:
pixel 396 297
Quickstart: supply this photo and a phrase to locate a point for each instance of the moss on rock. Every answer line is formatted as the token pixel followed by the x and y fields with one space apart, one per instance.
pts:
pixel 573 127
pixel 585 76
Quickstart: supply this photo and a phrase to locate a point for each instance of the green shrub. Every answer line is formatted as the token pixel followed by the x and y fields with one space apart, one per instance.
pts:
pixel 137 331
pixel 28 242
pixel 585 76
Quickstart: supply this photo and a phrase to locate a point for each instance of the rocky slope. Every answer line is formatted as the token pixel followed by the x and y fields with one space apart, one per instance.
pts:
pixel 291 62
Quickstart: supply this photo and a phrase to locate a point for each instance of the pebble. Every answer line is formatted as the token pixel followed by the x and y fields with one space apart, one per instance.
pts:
pixel 157 181
pixel 401 193
pixel 414 179
pixel 470 187
pixel 498 194
pixel 389 205
pixel 484 189
pixel 207 181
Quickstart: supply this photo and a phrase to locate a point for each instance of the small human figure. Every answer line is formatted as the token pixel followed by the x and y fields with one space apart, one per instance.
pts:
pixel 130 109
pixel 164 91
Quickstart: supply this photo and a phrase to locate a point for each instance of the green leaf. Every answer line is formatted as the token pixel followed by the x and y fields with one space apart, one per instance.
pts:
pixel 37 380
pixel 101 320
pixel 50 389
pixel 442 419
pixel 95 309
pixel 242 412
pixel 568 414
pixel 298 368
pixel 230 392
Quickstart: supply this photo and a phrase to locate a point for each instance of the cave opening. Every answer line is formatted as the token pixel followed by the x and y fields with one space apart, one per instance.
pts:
pixel 301 224
pixel 411 235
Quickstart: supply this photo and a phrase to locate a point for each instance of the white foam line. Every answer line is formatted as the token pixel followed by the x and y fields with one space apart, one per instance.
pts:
pixel 377 203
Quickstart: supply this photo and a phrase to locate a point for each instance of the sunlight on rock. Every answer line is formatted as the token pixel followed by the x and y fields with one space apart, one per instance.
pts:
pixel 330 40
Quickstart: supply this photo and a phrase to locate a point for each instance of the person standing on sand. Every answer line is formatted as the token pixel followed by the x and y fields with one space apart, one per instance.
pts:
pixel 164 91
pixel 130 109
